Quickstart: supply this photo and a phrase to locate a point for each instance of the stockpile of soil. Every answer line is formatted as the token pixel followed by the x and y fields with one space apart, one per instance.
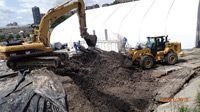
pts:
pixel 107 84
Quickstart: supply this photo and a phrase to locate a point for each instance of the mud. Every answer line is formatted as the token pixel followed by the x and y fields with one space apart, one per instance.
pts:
pixel 108 85
pixel 100 83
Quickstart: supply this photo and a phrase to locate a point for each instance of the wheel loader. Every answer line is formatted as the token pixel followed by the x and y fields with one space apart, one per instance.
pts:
pixel 157 48
pixel 38 53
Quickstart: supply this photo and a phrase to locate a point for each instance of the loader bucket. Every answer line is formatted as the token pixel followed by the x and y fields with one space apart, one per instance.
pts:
pixel 91 40
pixel 128 62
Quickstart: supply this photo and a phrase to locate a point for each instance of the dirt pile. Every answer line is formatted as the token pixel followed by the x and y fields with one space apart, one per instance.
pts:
pixel 108 85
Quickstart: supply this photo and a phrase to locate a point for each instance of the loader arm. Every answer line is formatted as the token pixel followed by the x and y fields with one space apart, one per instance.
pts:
pixel 134 54
pixel 56 13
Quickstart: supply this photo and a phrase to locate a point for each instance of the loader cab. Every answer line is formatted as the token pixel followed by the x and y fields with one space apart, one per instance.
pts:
pixel 156 43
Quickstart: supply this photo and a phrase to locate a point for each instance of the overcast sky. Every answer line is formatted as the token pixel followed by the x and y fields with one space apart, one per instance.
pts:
pixel 20 11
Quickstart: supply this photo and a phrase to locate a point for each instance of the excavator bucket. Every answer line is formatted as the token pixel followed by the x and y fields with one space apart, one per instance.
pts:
pixel 91 40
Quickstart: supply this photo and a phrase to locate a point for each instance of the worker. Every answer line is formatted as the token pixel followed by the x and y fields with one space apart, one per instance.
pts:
pixel 75 46
pixel 31 37
pixel 79 43
pixel 124 41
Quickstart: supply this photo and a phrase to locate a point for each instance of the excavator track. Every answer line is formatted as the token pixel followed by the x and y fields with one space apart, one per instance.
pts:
pixel 50 60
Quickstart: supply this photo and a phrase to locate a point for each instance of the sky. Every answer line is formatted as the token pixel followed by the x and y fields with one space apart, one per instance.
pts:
pixel 20 11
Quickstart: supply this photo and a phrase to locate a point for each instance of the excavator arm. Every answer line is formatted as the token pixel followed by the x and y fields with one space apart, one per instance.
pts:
pixel 91 40
pixel 56 13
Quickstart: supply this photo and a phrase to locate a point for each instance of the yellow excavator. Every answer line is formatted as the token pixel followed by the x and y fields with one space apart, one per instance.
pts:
pixel 38 52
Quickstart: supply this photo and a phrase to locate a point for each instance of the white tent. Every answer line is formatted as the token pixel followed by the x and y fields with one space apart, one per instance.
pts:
pixel 137 20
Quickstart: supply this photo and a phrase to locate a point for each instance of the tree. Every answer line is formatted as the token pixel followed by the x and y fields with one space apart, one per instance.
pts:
pixel 17 36
pixel 27 35
pixel 2 37
pixel 10 36
pixel 115 2
pixel 60 20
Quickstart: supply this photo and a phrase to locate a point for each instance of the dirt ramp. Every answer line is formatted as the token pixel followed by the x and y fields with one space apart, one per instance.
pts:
pixel 107 84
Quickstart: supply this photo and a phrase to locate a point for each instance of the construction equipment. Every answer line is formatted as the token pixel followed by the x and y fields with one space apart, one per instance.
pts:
pixel 157 48
pixel 38 52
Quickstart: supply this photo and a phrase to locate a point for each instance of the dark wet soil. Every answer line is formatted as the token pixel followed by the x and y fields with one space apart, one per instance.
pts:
pixel 108 85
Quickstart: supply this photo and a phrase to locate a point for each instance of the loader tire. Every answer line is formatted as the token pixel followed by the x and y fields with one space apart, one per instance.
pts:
pixel 147 62
pixel 171 58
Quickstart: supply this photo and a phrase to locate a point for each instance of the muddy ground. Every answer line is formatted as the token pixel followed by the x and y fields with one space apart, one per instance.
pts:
pixel 100 83
pixel 109 86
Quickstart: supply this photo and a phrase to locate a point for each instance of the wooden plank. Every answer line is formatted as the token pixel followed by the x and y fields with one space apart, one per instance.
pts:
pixel 194 64
pixel 174 85
pixel 164 70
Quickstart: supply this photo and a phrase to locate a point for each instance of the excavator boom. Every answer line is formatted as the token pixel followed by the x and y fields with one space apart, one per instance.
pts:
pixel 57 12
